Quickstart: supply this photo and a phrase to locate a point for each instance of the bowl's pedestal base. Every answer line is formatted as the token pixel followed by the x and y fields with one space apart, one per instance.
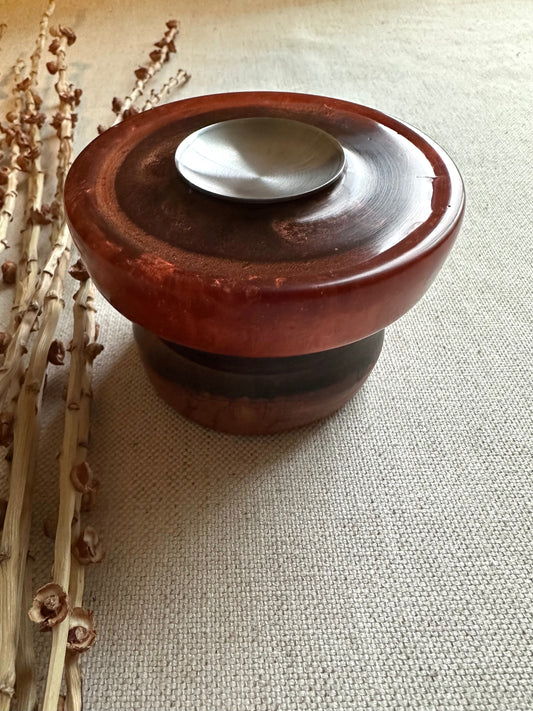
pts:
pixel 250 396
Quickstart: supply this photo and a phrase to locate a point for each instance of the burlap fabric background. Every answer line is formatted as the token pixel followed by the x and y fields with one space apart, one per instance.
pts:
pixel 380 559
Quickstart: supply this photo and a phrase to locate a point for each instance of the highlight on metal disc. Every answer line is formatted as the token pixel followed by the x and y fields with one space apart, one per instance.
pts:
pixel 262 159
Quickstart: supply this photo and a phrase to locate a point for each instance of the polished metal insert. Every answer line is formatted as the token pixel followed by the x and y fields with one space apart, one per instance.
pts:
pixel 261 159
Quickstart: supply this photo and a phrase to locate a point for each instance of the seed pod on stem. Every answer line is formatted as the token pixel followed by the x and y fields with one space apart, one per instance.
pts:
pixel 82 631
pixel 50 606
pixel 143 74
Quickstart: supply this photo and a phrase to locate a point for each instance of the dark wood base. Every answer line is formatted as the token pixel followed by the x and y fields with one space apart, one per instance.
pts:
pixel 249 396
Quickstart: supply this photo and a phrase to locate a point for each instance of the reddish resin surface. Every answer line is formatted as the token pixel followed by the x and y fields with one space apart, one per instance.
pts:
pixel 256 395
pixel 259 281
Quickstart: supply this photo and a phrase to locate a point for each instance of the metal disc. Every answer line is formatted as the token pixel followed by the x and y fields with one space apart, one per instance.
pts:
pixel 261 159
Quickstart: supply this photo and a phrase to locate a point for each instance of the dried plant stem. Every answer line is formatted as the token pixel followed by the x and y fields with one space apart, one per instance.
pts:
pixel 175 82
pixel 28 270
pixel 40 42
pixel 18 514
pixel 74 442
pixel 77 571
pixel 68 97
pixel 73 683
pixel 26 429
pixel 146 73
pixel 20 340
pixel 65 124
pixel 15 535
pixel 25 662
pixel 67 493
pixel 11 188
pixel 15 538
pixel 38 293
pixel 29 309
pixel 10 197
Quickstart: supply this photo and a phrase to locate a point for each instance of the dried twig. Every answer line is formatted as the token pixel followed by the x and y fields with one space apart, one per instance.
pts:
pixel 76 425
pixel 34 218
pixel 9 176
pixel 77 570
pixel 15 534
pixel 164 47
pixel 31 297
pixel 18 515
pixel 124 108
pixel 19 342
pixel 38 304
pixel 25 662
pixel 69 534
pixel 175 82
pixel 35 58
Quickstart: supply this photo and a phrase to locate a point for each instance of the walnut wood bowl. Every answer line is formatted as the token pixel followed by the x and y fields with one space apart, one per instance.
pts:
pixel 251 317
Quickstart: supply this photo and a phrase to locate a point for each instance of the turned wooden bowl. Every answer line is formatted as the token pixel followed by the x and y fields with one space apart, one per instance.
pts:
pixel 255 317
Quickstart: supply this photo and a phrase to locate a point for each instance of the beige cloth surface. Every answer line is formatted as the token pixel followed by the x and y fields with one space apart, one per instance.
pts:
pixel 380 559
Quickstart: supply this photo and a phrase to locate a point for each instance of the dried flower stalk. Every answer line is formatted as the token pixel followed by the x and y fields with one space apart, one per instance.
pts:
pixel 19 341
pixel 72 454
pixel 65 118
pixel 28 104
pixel 74 451
pixel 73 678
pixel 15 535
pixel 25 662
pixel 164 47
pixel 11 176
pixel 31 296
pixel 76 633
pixel 33 119
pixel 60 253
pixel 35 58
pixel 175 82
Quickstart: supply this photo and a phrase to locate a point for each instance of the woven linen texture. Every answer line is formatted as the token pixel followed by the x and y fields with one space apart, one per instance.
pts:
pixel 381 559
